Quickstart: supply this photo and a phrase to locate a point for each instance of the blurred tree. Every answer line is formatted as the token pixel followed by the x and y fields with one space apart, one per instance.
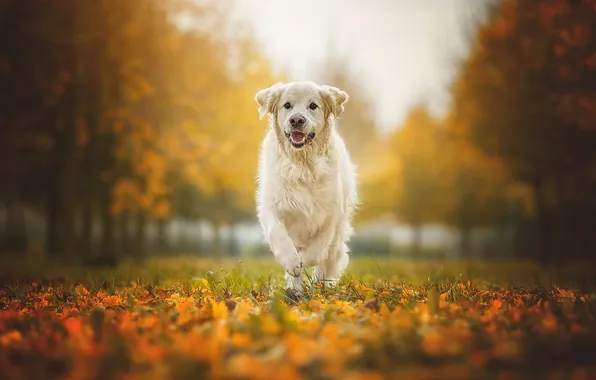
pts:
pixel 379 186
pixel 36 106
pixel 227 179
pixel 130 109
pixel 531 81
pixel 481 192
pixel 416 148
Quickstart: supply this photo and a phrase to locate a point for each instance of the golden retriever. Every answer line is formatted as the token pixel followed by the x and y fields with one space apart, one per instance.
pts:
pixel 306 193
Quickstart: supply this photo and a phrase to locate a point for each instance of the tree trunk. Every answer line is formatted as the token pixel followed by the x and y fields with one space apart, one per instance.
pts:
pixel 72 110
pixel 217 242
pixel 543 246
pixel 66 196
pixel 108 246
pixel 87 232
pixel 90 186
pixel 140 235
pixel 416 239
pixel 465 236
pixel 463 210
pixel 91 109
pixel 52 210
pixel 233 249
pixel 125 236
pixel 162 236
pixel 15 238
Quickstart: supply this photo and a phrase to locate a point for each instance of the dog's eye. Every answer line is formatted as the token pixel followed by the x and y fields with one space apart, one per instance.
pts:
pixel 287 105
pixel 313 106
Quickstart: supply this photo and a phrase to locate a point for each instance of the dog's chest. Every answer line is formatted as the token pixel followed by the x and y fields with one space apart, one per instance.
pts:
pixel 307 197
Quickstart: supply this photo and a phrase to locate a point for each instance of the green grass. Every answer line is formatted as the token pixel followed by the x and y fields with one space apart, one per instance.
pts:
pixel 168 271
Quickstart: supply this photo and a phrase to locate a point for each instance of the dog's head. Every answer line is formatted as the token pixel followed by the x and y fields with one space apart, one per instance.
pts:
pixel 301 109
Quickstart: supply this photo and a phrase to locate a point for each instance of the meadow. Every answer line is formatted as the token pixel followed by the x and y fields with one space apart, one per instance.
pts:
pixel 232 319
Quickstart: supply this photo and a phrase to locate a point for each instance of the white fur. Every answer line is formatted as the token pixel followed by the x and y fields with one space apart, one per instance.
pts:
pixel 306 196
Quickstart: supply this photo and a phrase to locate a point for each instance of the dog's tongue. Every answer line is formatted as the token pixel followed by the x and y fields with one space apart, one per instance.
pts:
pixel 297 136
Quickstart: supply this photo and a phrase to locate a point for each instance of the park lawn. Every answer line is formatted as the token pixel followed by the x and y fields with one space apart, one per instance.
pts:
pixel 231 319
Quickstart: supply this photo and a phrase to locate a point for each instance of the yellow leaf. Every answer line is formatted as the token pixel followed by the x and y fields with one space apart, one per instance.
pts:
pixel 220 310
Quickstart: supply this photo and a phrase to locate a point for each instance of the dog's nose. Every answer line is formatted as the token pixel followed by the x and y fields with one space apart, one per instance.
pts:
pixel 297 121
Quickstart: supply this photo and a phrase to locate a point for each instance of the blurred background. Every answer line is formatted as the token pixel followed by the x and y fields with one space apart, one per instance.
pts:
pixel 129 128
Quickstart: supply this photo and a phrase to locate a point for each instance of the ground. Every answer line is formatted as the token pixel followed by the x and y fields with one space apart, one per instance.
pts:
pixel 231 319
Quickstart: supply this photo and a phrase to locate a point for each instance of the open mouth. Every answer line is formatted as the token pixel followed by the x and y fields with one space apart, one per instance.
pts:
pixel 299 139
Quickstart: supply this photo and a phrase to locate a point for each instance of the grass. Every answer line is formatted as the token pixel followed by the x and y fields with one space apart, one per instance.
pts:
pixel 231 319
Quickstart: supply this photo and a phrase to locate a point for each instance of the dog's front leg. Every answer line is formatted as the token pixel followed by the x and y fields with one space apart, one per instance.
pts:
pixel 318 248
pixel 280 243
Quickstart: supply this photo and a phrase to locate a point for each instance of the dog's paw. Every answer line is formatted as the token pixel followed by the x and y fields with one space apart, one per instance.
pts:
pixel 293 295
pixel 332 282
pixel 291 264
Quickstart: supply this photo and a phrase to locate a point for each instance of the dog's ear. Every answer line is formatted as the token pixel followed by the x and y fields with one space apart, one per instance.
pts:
pixel 334 99
pixel 266 99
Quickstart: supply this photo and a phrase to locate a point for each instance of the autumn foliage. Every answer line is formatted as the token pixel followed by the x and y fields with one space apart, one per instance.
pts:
pixel 517 147
pixel 117 118
pixel 237 322
pixel 527 93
